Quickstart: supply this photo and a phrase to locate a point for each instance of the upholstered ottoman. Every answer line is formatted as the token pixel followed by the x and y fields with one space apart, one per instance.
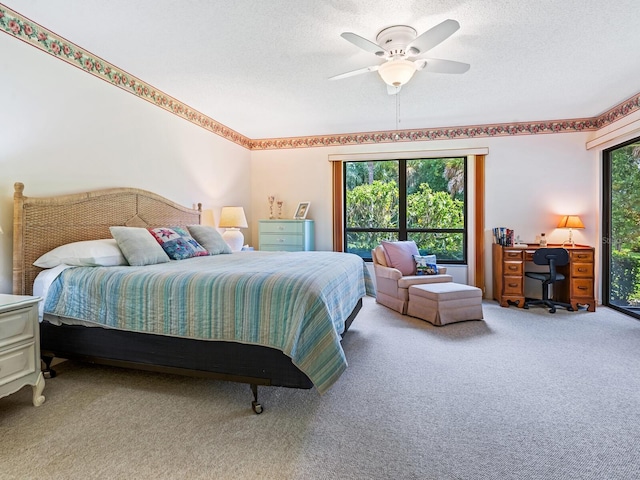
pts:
pixel 443 303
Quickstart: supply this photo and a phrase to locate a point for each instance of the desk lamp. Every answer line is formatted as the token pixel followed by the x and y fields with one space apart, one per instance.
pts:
pixel 233 219
pixel 570 222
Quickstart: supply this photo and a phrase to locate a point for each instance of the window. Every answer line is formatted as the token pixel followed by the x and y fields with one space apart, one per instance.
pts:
pixel 420 199
pixel 621 227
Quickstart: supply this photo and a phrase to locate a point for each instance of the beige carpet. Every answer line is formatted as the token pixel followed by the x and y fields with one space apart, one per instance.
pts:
pixel 523 395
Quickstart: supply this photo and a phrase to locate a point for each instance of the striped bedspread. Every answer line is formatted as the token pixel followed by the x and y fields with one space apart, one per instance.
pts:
pixel 296 302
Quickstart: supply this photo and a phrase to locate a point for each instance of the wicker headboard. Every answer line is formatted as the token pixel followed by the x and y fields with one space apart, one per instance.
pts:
pixel 41 224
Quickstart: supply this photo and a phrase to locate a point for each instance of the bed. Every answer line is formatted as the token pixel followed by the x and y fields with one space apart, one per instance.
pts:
pixel 330 295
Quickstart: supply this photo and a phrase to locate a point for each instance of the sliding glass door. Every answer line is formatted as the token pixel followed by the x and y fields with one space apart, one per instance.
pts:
pixel 621 227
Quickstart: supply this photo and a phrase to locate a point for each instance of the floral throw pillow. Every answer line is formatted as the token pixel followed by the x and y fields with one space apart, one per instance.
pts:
pixel 426 265
pixel 177 243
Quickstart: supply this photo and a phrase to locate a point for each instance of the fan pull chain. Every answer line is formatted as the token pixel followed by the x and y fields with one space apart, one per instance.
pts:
pixel 397 136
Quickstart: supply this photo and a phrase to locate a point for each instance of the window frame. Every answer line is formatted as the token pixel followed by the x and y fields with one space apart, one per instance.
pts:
pixel 607 225
pixel 402 229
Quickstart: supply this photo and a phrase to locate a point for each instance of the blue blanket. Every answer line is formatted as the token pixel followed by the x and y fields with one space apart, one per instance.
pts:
pixel 296 302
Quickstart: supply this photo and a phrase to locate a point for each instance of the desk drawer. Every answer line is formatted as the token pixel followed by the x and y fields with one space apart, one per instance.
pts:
pixel 512 285
pixel 512 268
pixel 584 270
pixel 581 256
pixel 512 255
pixel 582 287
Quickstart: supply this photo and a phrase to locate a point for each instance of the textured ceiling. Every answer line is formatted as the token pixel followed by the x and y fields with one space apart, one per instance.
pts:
pixel 261 67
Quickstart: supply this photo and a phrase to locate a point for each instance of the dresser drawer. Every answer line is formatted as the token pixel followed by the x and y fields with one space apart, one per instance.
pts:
pixel 281 227
pixel 275 240
pixel 281 248
pixel 584 270
pixel 16 326
pixel 582 287
pixel 17 362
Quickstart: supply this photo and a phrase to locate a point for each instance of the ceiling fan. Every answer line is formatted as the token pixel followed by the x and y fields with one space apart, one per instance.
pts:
pixel 397 44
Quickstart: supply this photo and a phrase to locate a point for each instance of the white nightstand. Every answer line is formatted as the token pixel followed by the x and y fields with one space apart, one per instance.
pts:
pixel 20 346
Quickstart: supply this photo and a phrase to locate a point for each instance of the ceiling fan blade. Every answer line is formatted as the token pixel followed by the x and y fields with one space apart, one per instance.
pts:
pixel 433 37
pixel 391 90
pixel 353 73
pixel 364 44
pixel 435 65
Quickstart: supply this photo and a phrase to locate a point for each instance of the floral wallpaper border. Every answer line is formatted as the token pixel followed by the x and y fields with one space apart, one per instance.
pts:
pixel 30 32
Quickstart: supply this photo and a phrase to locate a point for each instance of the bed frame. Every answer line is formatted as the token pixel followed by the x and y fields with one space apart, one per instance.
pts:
pixel 41 224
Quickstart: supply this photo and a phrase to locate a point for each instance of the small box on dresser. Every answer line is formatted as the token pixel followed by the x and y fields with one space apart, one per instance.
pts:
pixel 286 235
pixel 20 346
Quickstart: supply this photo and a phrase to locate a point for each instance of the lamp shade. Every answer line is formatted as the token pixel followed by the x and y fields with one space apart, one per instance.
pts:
pixel 232 217
pixel 570 221
pixel 397 72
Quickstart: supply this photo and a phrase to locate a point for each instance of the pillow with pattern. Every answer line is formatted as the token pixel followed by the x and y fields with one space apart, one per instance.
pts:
pixel 177 243
pixel 425 265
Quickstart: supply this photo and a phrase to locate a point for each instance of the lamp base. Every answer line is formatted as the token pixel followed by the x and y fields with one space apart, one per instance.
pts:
pixel 234 238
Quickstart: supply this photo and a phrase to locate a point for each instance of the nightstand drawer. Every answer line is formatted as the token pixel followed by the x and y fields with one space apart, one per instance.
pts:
pixel 17 363
pixel 16 326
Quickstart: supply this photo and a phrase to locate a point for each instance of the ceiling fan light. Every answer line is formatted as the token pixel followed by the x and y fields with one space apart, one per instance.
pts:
pixel 397 72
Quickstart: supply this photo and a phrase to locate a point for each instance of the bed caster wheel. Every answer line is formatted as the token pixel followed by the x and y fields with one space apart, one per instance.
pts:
pixel 50 373
pixel 256 407
pixel 570 309
pixel 553 310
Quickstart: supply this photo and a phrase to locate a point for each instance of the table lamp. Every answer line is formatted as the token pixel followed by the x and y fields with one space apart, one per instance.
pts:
pixel 233 219
pixel 570 222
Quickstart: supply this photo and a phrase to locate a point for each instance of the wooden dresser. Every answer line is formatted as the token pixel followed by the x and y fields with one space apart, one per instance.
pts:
pixel 286 235
pixel 20 346
pixel 509 264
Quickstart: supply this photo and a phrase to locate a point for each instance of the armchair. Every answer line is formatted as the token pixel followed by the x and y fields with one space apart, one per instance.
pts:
pixel 392 287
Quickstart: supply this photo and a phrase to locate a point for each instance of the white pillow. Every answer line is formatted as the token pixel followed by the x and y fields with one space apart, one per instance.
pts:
pixel 89 253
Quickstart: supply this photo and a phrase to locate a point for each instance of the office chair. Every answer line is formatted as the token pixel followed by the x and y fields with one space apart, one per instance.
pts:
pixel 554 257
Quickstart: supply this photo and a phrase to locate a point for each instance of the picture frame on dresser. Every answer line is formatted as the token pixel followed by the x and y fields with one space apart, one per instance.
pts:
pixel 302 211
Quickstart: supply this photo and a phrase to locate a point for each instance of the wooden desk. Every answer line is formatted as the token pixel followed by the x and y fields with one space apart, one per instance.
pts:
pixel 508 276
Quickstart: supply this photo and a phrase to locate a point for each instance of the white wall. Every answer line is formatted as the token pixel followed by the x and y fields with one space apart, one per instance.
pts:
pixel 529 182
pixel 64 131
